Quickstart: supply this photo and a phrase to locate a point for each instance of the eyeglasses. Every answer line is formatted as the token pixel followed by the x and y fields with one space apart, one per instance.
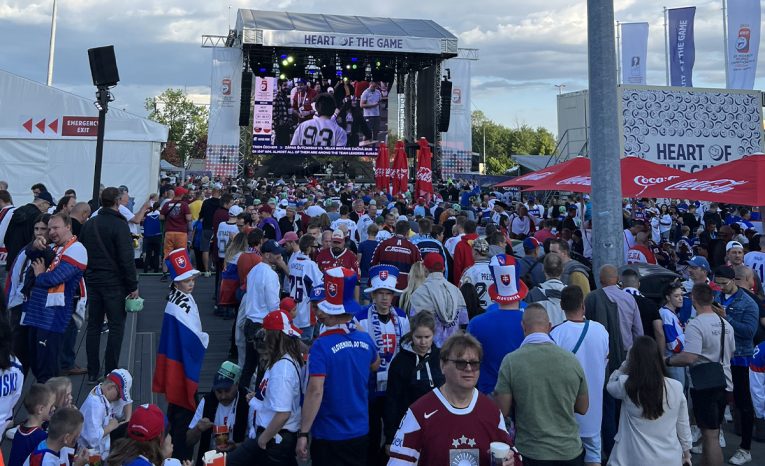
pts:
pixel 462 365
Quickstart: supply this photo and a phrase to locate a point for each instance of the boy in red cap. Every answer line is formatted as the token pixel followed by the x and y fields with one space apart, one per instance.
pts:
pixel 147 442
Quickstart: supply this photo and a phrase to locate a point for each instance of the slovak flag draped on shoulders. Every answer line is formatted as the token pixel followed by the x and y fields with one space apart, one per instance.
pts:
pixel 182 346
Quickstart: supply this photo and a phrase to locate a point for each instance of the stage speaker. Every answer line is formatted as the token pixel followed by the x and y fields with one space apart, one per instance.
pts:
pixel 103 66
pixel 244 106
pixel 426 104
pixel 446 106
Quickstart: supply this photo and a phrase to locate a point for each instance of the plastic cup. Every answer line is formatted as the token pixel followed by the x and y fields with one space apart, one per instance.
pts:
pixel 499 451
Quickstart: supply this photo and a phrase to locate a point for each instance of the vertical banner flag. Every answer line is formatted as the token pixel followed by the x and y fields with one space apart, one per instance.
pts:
pixel 457 143
pixel 223 126
pixel 743 43
pixel 682 47
pixel 634 52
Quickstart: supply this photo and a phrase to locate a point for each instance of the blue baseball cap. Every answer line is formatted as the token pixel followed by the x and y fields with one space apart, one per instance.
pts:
pixel 317 294
pixel 699 261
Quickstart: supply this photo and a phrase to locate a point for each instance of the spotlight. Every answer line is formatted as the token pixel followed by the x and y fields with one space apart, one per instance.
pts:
pixel 354 59
pixel 290 59
pixel 262 70
pixel 378 63
pixel 285 63
pixel 283 57
pixel 354 66
pixel 282 76
pixel 347 67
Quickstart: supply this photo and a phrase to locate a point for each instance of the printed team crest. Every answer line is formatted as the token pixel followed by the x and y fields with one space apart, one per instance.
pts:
pixel 505 279
pixel 332 289
pixel 383 275
pixel 181 262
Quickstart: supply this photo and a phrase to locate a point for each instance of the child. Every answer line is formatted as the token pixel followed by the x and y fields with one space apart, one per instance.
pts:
pixel 62 391
pixel 100 415
pixel 38 403
pixel 147 442
pixel 64 429
pixel 11 376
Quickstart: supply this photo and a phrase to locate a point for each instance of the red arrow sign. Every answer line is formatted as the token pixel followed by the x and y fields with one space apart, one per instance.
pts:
pixel 41 125
pixel 53 125
pixel 28 125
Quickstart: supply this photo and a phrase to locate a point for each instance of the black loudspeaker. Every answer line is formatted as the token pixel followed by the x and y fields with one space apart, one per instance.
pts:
pixel 103 66
pixel 446 106
pixel 244 105
pixel 426 103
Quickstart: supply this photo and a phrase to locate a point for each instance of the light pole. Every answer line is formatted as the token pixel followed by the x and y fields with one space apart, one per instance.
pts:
pixel 560 88
pixel 52 49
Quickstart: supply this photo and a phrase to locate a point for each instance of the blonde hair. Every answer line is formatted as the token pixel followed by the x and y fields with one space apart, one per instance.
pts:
pixel 60 386
pixel 417 276
pixel 235 246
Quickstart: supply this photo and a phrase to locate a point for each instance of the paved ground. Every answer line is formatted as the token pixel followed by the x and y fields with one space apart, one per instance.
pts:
pixel 140 345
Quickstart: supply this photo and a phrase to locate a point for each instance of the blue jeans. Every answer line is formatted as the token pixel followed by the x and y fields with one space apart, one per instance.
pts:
pixel 66 360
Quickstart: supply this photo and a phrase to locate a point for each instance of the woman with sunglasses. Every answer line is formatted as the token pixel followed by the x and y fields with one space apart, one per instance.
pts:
pixel 454 423
pixel 414 371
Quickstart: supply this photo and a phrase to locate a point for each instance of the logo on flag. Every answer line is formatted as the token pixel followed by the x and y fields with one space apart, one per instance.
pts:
pixel 181 262
pixel 505 279
pixel 332 289
pixel 383 275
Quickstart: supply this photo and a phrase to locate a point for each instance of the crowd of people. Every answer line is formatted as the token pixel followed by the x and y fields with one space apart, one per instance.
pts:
pixel 371 329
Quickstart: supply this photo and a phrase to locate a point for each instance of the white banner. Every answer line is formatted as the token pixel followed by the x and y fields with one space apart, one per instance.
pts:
pixel 634 52
pixel 369 42
pixel 457 143
pixel 222 156
pixel 690 129
pixel 743 43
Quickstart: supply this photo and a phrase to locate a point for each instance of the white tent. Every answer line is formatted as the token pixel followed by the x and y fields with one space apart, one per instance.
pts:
pixel 49 136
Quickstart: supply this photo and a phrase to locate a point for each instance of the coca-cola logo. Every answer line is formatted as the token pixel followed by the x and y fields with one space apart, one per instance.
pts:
pixel 425 174
pixel 646 181
pixel 578 180
pixel 536 176
pixel 710 186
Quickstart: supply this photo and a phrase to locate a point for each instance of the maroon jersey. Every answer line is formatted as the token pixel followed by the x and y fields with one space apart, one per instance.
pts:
pixel 400 252
pixel 434 433
pixel 326 260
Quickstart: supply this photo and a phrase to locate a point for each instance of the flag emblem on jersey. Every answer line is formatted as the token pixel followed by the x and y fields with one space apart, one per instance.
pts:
pixel 340 284
pixel 507 287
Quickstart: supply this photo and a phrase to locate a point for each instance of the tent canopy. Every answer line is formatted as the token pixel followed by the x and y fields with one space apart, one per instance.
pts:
pixel 308 30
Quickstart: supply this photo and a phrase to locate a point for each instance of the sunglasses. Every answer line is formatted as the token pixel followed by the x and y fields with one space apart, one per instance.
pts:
pixel 462 365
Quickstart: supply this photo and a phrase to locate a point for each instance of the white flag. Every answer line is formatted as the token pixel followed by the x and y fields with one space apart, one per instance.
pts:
pixel 743 43
pixel 634 52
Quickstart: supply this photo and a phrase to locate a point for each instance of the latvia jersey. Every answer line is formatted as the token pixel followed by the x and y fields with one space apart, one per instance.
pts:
pixel 387 337
pixel 400 252
pixel 639 254
pixel 434 433
pixel 480 277
pixel 755 260
pixel 321 132
pixel 304 276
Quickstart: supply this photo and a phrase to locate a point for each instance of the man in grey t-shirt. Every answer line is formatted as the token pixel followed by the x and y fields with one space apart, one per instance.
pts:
pixel 702 345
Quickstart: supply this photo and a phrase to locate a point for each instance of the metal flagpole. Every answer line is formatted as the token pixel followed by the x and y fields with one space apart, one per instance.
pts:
pixel 52 50
pixel 725 37
pixel 619 52
pixel 666 43
pixel 607 233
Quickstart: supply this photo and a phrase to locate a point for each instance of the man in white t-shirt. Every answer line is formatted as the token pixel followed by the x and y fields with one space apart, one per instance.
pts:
pixel 755 260
pixel 350 225
pixel 303 278
pixel 588 340
pixel 370 102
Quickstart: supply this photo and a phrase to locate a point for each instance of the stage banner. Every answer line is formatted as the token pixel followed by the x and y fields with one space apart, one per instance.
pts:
pixel 682 47
pixel 743 43
pixel 457 143
pixel 634 52
pixel 222 157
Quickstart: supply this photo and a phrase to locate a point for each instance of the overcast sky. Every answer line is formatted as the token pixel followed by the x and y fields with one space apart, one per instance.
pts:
pixel 526 47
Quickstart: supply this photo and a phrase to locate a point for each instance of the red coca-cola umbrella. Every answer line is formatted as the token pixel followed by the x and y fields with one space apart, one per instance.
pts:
pixel 737 182
pixel 577 165
pixel 382 169
pixel 424 183
pixel 400 172
pixel 637 177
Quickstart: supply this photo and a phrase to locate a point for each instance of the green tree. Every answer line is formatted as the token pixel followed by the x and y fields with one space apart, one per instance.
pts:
pixel 187 123
pixel 502 142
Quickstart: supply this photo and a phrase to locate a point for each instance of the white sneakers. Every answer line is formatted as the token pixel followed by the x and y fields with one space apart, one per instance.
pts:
pixel 696 450
pixel 695 434
pixel 741 457
pixel 722 439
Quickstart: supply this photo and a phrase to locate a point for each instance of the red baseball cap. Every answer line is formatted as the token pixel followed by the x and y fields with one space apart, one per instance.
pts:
pixel 147 423
pixel 280 321
pixel 287 304
pixel 434 262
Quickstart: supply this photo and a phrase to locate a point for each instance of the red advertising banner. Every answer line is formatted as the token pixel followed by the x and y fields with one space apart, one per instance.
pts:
pixel 79 126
